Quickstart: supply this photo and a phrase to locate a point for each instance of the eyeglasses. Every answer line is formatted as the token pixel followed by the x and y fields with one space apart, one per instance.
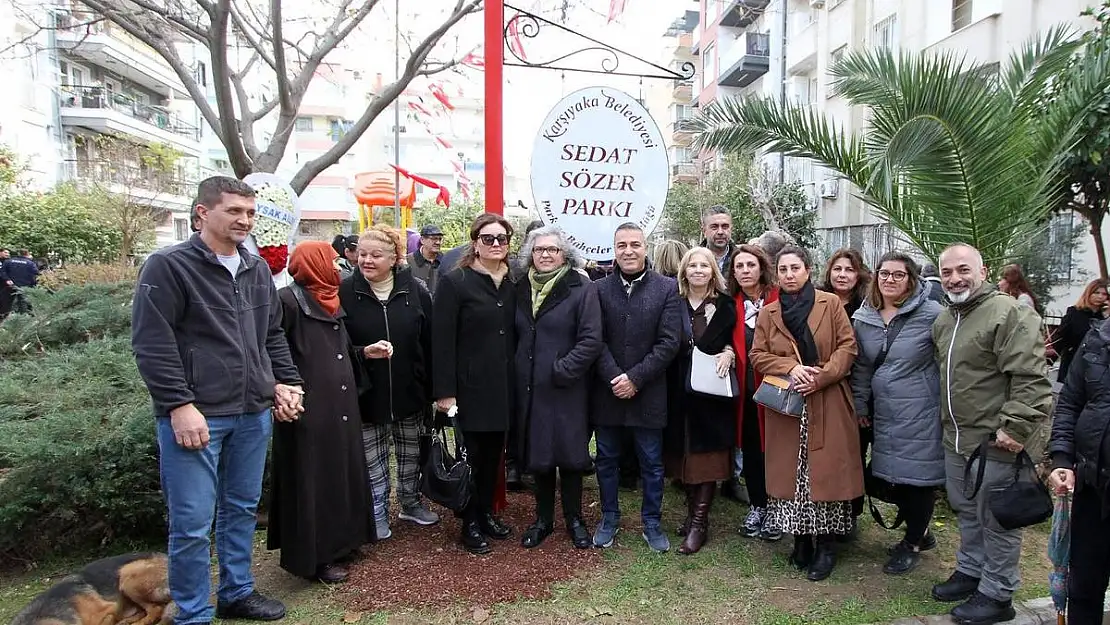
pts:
pixel 894 276
pixel 490 239
pixel 550 251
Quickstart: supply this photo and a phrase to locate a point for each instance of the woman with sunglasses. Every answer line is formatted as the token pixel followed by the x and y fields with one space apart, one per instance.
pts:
pixel 896 385
pixel 473 342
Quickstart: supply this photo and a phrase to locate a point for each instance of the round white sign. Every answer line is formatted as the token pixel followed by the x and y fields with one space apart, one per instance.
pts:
pixel 599 161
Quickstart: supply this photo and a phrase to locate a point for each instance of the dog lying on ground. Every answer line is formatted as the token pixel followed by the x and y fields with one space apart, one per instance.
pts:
pixel 132 589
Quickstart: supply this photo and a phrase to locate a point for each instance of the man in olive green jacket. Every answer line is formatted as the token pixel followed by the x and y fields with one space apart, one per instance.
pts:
pixel 990 351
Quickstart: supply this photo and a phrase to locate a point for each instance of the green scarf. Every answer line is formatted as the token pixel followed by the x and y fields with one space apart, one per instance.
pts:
pixel 542 283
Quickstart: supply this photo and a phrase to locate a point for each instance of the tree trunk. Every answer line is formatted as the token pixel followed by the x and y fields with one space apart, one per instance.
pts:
pixel 1100 248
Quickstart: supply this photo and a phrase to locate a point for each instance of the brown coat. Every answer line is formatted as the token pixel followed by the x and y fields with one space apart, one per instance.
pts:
pixel 835 471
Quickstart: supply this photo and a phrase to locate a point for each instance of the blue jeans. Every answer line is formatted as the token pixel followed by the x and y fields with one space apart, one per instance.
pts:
pixel 649 450
pixel 221 482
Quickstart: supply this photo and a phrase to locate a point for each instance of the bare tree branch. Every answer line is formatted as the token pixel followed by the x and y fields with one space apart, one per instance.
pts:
pixel 39 29
pixel 189 28
pixel 412 69
pixel 254 39
pixel 221 74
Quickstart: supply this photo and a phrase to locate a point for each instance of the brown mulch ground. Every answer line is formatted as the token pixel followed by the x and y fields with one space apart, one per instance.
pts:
pixel 419 567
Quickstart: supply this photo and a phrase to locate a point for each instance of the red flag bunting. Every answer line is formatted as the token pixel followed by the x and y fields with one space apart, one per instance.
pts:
pixel 616 9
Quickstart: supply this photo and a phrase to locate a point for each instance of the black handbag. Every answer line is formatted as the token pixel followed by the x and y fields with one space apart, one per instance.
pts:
pixel 443 478
pixel 1023 503
pixel 877 488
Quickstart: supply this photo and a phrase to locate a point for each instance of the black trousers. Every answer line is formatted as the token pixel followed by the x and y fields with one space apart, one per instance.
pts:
pixel 916 504
pixel 483 453
pixel 751 445
pixel 866 438
pixel 1090 558
pixel 570 483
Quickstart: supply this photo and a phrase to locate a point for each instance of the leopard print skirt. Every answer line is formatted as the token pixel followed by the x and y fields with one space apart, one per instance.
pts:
pixel 802 515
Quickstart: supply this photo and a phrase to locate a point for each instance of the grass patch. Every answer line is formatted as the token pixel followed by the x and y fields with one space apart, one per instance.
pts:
pixel 733 580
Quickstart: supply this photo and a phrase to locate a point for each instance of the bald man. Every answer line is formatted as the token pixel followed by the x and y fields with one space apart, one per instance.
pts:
pixel 993 387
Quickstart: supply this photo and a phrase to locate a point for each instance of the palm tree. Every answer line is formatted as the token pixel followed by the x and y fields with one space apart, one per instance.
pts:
pixel 953 152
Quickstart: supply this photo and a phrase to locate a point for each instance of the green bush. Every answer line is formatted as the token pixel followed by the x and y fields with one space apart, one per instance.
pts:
pixel 70 315
pixel 78 458
pixel 77 443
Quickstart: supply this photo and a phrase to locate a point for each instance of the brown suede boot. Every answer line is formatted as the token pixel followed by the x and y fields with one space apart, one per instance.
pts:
pixel 699 520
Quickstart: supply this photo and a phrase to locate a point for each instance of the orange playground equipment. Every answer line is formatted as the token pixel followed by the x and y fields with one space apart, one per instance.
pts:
pixel 377 197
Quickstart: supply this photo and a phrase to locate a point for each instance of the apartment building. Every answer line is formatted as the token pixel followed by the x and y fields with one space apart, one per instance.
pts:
pixel 816 33
pixel 672 102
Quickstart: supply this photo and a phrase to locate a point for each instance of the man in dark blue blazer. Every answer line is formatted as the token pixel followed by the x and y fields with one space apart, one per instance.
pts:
pixel 641 314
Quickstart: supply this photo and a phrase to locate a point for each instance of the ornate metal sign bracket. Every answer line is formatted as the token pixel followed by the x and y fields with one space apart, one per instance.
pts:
pixel 530 25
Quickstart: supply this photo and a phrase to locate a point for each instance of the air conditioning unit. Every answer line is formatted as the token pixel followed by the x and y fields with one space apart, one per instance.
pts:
pixel 816 4
pixel 830 188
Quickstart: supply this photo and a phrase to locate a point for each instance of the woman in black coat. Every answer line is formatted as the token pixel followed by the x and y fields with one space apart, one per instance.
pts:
pixel 473 342
pixel 701 429
pixel 558 323
pixel 320 502
pixel 1077 321
pixel 1080 452
pixel 388 309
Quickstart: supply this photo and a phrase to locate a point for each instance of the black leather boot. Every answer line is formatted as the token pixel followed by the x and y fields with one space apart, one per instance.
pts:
pixel 958 587
pixel 579 533
pixel 824 559
pixel 536 533
pixel 473 540
pixel 493 527
pixel 983 610
pixel 803 551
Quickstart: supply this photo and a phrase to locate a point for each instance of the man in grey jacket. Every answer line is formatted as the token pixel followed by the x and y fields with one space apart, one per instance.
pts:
pixel 206 333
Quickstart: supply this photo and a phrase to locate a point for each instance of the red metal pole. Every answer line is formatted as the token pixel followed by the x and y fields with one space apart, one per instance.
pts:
pixel 495 65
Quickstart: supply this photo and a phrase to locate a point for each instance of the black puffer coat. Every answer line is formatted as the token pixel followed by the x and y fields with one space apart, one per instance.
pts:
pixel 1082 415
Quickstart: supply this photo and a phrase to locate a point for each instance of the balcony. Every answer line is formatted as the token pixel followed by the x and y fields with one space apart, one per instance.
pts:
pixel 742 13
pixel 747 59
pixel 682 132
pixel 684 171
pixel 97 109
pixel 164 190
pixel 683 90
pixel 106 45
pixel 801 45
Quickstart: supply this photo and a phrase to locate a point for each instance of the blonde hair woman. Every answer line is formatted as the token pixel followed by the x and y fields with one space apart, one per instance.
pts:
pixel 389 313
pixel 701 429
pixel 668 255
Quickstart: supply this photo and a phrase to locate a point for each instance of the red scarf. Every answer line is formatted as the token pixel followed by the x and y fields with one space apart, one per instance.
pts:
pixel 739 344
pixel 312 265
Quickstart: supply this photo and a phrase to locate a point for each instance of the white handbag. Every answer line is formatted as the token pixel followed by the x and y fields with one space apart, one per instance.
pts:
pixel 704 379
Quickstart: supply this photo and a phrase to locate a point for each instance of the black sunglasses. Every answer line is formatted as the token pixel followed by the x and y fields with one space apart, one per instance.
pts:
pixel 488 239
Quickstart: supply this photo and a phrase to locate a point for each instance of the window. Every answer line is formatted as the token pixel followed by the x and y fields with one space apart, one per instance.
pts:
pixel 180 229
pixel 303 124
pixel 835 57
pixel 811 91
pixel 886 33
pixel 683 111
pixel 200 73
pixel 709 65
pixel 683 155
pixel 961 14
